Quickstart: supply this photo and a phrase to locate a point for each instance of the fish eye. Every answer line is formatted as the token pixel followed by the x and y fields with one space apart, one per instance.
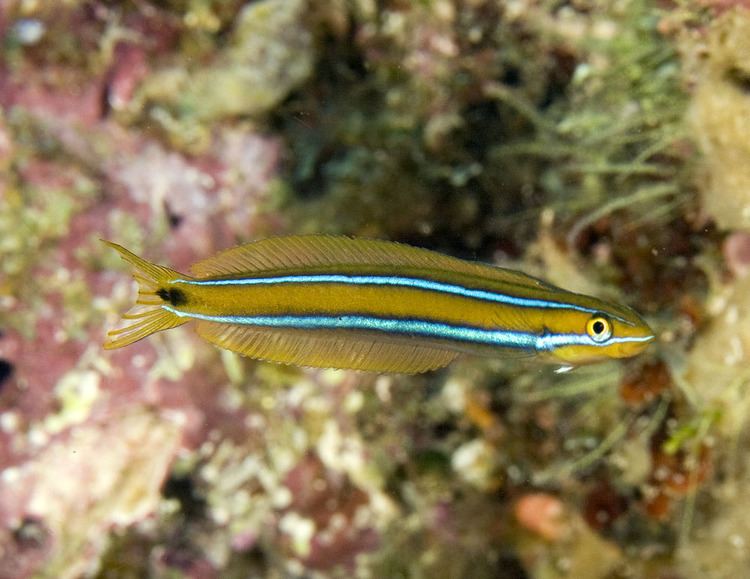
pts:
pixel 599 328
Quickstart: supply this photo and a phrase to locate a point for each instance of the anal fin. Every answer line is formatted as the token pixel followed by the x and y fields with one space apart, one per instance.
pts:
pixel 325 349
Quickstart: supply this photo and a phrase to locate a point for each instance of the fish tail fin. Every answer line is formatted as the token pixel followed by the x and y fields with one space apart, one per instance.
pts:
pixel 147 315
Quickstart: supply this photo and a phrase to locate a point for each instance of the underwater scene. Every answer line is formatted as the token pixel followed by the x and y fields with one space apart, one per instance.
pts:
pixel 487 315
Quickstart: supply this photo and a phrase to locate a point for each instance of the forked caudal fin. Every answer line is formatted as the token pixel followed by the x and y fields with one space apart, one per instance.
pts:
pixel 147 315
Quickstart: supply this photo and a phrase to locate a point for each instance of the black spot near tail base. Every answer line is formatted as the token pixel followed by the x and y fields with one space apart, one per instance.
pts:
pixel 174 296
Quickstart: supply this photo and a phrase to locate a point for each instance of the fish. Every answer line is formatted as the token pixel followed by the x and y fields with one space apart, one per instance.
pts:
pixel 339 302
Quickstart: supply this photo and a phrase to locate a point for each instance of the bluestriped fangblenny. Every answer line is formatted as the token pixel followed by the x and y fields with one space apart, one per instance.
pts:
pixel 338 302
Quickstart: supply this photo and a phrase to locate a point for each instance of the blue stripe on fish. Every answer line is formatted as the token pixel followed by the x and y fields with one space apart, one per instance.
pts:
pixel 418 283
pixel 438 330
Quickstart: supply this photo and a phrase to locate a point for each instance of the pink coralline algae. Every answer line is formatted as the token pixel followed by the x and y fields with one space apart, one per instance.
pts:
pixel 330 504
pixel 129 68
pixel 87 441
pixel 736 251
pixel 115 464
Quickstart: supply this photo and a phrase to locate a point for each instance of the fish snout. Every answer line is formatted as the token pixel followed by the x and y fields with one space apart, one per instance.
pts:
pixel 636 343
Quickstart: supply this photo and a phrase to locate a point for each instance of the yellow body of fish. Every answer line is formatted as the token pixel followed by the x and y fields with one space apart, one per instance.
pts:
pixel 338 302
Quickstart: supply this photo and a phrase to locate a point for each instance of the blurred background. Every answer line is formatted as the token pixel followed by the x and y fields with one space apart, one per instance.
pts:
pixel 601 145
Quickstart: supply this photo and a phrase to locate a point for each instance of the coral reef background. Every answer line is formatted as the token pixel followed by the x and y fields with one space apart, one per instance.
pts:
pixel 601 145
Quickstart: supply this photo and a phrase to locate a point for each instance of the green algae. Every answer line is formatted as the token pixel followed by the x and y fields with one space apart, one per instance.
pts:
pixel 612 141
pixel 34 218
pixel 269 53
pixel 489 153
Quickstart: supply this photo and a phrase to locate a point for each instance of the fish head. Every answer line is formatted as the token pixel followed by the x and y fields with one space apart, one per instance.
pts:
pixel 608 332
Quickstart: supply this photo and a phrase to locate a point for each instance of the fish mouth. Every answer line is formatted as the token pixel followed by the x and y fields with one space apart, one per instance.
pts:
pixel 642 332
pixel 648 335
pixel 632 345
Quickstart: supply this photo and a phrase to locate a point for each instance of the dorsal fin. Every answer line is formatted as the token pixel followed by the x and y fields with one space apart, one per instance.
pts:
pixel 303 251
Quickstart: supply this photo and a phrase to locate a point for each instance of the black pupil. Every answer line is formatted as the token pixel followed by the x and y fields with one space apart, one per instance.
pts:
pixel 598 327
